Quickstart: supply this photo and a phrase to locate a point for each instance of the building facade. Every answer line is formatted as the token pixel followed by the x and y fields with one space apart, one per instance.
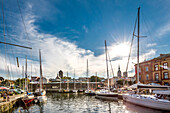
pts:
pixel 155 70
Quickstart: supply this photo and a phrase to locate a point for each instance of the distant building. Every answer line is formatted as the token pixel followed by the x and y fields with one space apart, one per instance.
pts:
pixel 83 79
pixel 37 79
pixel 156 70
pixel 57 77
pixel 112 82
pixel 119 73
pixel 61 74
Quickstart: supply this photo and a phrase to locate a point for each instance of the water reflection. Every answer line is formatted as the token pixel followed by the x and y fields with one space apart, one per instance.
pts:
pixel 79 103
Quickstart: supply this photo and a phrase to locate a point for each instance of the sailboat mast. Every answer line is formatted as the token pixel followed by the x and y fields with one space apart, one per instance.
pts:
pixel 96 80
pixel 23 76
pixel 138 46
pixel 67 82
pixel 87 76
pixel 74 80
pixel 40 71
pixel 26 88
pixel 107 66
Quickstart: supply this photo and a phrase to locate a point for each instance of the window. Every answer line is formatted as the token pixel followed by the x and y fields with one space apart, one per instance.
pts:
pixel 165 65
pixel 146 69
pixel 166 75
pixel 147 76
pixel 166 83
pixel 139 77
pixel 156 67
pixel 156 76
pixel 139 69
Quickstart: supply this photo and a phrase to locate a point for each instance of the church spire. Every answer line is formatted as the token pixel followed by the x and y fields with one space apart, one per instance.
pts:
pixel 119 73
pixel 119 67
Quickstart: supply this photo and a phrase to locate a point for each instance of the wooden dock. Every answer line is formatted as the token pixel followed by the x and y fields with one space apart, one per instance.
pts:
pixel 5 106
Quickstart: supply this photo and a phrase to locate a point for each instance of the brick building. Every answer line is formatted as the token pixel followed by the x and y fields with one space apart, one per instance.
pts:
pixel 155 70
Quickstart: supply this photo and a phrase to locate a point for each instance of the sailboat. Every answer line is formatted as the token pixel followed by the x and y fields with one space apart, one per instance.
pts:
pixel 160 101
pixel 40 92
pixel 28 97
pixel 106 94
pixel 67 90
pixel 74 90
pixel 88 91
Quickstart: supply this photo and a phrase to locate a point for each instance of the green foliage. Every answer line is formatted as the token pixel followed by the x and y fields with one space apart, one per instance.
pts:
pixel 120 82
pixel 2 79
pixel 93 79
pixel 21 82
pixel 66 77
pixel 5 83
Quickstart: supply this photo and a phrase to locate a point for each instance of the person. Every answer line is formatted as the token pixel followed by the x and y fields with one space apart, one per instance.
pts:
pixel 7 97
pixel 4 96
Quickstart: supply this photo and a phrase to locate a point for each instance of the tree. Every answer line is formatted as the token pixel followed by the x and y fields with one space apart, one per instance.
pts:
pixel 66 77
pixel 5 83
pixel 93 79
pixel 1 78
pixel 120 82
pixel 21 82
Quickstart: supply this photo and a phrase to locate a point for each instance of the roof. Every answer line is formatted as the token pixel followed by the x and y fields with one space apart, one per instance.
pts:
pixel 159 57
pixel 163 56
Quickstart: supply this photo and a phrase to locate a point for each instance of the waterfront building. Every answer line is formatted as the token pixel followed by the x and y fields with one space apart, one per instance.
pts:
pixel 37 79
pixel 112 82
pixel 125 75
pixel 155 70
pixel 119 73
pixel 57 77
pixel 84 79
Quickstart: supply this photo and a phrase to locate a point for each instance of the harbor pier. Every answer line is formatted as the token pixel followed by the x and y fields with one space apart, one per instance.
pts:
pixel 5 106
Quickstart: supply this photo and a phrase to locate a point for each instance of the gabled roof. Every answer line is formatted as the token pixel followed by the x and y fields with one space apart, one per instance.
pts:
pixel 163 56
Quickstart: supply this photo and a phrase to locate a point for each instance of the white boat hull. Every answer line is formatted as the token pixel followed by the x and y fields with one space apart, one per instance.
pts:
pixel 41 99
pixel 151 103
pixel 74 91
pixel 89 92
pixel 107 98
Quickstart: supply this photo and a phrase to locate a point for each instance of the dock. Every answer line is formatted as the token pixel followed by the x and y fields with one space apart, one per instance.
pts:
pixel 5 106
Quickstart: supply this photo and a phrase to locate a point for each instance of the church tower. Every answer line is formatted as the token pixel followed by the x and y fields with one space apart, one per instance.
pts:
pixel 119 73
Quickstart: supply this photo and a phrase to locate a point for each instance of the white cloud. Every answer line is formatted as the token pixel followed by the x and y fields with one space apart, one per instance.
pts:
pixel 60 54
pixel 85 28
pixel 151 44
pixel 164 30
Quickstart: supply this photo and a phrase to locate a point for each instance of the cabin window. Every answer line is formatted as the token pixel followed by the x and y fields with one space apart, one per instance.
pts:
pixel 165 65
pixel 156 76
pixel 166 75
pixel 156 67
pixel 146 69
pixel 147 76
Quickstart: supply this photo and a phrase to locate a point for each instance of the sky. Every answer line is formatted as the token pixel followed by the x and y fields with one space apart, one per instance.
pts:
pixel 69 32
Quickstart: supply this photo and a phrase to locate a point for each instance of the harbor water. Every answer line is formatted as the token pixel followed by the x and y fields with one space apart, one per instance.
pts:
pixel 80 103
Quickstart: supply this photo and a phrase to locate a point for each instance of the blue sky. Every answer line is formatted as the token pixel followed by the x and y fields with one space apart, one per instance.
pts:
pixel 70 31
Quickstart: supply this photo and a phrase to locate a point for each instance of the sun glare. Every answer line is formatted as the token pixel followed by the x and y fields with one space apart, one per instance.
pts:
pixel 121 49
